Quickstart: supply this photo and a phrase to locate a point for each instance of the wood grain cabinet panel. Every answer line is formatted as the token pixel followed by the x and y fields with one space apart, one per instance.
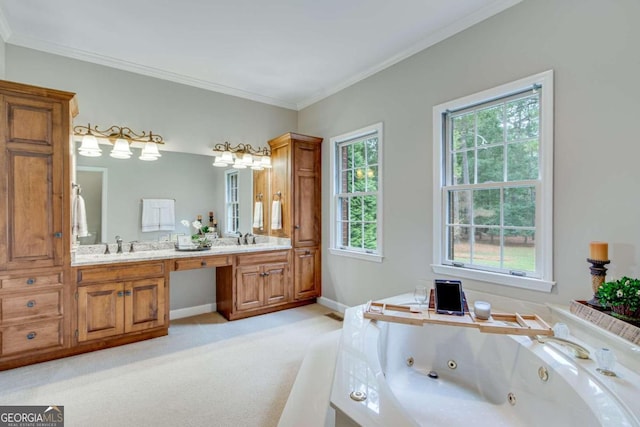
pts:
pixel 28 337
pixel 31 305
pixel 307 273
pixel 33 148
pixel 100 311
pixel 113 309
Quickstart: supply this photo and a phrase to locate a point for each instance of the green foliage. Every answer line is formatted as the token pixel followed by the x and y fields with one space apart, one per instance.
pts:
pixel 625 291
pixel 359 175
pixel 499 143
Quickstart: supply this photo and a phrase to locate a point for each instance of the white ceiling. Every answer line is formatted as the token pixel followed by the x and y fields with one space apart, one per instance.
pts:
pixel 289 53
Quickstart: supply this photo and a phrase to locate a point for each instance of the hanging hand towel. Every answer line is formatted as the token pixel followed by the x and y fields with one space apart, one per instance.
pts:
pixel 168 215
pixel 158 214
pixel 79 217
pixel 276 215
pixel 257 216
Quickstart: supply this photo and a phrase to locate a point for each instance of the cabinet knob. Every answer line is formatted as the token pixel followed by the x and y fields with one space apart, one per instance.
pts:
pixel 203 264
pixel 297 227
pixel 57 235
pixel 31 335
pixel 31 281
pixel 31 303
pixel 120 293
pixel 127 293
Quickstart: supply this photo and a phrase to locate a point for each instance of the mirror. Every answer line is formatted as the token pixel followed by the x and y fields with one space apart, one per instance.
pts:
pixel 92 187
pixel 113 190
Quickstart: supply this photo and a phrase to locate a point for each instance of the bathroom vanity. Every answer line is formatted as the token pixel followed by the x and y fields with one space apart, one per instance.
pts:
pixel 56 301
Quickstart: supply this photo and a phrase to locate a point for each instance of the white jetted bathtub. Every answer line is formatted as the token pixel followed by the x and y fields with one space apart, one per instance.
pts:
pixel 392 374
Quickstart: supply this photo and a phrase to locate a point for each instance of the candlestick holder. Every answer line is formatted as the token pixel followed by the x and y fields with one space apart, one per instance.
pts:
pixel 598 274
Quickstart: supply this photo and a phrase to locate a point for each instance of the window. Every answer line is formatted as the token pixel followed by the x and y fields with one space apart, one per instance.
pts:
pixel 493 163
pixel 356 205
pixel 233 207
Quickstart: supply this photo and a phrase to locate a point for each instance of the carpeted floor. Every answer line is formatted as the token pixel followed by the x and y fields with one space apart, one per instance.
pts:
pixel 207 372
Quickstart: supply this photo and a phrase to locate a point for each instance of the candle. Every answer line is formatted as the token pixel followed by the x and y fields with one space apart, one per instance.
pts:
pixel 599 251
pixel 482 310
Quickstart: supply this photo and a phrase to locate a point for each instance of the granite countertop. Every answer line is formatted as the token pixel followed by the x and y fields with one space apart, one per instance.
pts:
pixel 149 251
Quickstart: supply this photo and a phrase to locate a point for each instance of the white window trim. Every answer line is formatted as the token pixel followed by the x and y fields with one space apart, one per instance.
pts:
pixel 333 249
pixel 226 198
pixel 544 223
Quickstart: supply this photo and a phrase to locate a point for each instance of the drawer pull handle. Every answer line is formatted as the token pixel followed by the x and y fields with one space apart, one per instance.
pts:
pixel 266 274
pixel 31 335
pixel 57 235
pixel 31 281
pixel 120 293
pixel 307 252
pixel 203 263
pixel 127 293
pixel 31 303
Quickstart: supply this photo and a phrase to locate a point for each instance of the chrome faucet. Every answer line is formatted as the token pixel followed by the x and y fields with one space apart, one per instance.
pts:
pixel 131 246
pixel 578 351
pixel 119 242
pixel 246 237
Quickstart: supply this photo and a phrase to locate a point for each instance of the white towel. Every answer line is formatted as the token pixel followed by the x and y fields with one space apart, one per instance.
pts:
pixel 79 213
pixel 257 216
pixel 276 215
pixel 158 214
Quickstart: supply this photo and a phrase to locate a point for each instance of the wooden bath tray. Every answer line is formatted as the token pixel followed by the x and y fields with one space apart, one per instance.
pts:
pixel 498 323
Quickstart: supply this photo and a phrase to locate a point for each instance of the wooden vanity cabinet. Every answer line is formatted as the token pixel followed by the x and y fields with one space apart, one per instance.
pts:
pixel 115 300
pixel 258 283
pixel 35 240
pixel 296 180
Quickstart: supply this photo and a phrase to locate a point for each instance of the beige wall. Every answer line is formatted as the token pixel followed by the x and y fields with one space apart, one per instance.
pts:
pixel 592 46
pixel 2 58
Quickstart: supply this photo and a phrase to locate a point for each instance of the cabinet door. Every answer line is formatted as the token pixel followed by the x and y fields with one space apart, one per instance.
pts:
pixel 275 278
pixel 31 146
pixel 144 304
pixel 306 270
pixel 249 292
pixel 306 189
pixel 100 311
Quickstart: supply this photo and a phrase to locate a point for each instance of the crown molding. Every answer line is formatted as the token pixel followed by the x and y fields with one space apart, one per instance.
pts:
pixel 440 35
pixel 95 58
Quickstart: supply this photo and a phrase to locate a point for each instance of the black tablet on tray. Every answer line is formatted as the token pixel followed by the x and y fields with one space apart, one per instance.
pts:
pixel 449 298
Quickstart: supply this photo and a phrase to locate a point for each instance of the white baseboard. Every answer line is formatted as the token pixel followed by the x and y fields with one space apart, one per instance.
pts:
pixel 333 305
pixel 192 311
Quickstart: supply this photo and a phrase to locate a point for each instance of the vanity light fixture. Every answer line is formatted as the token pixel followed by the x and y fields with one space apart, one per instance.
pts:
pixel 121 138
pixel 241 156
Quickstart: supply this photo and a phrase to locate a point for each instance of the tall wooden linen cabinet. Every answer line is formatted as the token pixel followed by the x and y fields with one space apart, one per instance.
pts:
pixel 295 181
pixel 34 234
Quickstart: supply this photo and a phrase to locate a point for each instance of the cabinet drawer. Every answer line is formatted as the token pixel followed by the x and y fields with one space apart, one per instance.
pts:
pixel 262 258
pixel 32 336
pixel 202 262
pixel 27 282
pixel 31 305
pixel 117 272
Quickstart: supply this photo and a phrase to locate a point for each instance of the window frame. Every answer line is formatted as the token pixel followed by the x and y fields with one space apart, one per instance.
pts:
pixel 544 198
pixel 229 203
pixel 334 248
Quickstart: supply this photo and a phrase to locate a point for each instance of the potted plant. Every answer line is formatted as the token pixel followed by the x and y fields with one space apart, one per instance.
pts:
pixel 622 297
